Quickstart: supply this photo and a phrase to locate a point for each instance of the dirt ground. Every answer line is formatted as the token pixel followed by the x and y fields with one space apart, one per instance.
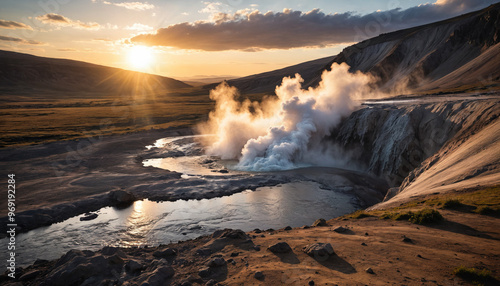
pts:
pixel 427 257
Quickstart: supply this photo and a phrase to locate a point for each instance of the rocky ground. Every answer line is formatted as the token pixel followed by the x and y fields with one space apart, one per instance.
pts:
pixel 358 249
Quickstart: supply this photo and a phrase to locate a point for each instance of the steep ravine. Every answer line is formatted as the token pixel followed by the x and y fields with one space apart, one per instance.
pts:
pixel 400 142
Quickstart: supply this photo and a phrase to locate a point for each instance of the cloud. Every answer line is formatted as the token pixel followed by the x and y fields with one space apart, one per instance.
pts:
pixel 139 27
pixel 14 25
pixel 252 30
pixel 61 21
pixel 213 7
pixel 20 41
pixel 137 6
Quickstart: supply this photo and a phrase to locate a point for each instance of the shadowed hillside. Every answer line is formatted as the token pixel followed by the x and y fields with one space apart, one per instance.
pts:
pixel 23 72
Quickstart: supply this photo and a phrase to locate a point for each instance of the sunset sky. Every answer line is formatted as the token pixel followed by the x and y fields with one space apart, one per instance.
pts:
pixel 189 38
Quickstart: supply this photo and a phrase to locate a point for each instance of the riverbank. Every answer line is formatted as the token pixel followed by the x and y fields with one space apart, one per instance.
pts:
pixel 368 250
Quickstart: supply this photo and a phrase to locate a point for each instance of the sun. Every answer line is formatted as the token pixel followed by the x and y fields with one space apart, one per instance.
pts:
pixel 140 57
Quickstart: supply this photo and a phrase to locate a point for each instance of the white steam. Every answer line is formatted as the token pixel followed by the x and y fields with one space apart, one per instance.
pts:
pixel 283 132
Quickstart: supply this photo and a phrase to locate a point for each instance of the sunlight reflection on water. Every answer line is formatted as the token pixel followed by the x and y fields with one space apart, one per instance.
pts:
pixel 152 223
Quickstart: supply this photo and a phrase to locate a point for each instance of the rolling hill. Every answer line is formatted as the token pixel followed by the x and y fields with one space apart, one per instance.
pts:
pixel 23 72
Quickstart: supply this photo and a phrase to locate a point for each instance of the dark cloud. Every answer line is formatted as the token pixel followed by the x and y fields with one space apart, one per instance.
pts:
pixel 20 41
pixel 61 21
pixel 14 25
pixel 253 30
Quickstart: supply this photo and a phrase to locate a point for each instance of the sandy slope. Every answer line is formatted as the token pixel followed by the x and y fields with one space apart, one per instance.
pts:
pixel 470 159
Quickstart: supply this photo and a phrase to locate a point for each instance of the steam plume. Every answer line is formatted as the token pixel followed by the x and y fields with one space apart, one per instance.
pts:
pixel 282 132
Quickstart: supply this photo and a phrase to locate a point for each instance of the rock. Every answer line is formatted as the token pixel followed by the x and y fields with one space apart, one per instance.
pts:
pixel 288 228
pixel 234 254
pixel 133 266
pixel 340 229
pixel 217 262
pixel 320 251
pixel 311 283
pixel 169 252
pixel 109 250
pixel 407 239
pixel 88 216
pixel 280 247
pixel 40 262
pixel 256 247
pixel 204 251
pixel 211 282
pixel 364 244
pixel 121 197
pixel 30 275
pixel 258 275
pixel 234 234
pixel 115 259
pixel 369 271
pixel 305 227
pixel 320 222
pixel 160 275
pixel 205 272
pixel 257 230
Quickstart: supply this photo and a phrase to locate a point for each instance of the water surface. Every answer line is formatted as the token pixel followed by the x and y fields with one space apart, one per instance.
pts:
pixel 151 223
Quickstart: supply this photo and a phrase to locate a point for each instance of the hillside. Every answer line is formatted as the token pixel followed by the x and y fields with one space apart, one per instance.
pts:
pixel 22 72
pixel 461 53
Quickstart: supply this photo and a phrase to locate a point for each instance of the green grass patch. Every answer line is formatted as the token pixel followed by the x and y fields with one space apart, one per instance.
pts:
pixel 468 201
pixel 424 216
pixel 359 214
pixel 452 204
pixel 484 210
pixel 474 276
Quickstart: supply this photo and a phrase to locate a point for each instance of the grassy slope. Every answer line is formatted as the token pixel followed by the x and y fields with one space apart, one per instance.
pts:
pixel 51 116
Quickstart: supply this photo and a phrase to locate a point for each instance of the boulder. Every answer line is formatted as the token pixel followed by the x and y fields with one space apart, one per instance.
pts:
pixel 280 247
pixel 169 252
pixel 320 251
pixel 217 262
pixel 88 216
pixel 160 275
pixel 258 275
pixel 320 222
pixel 121 197
pixel 205 272
pixel 340 229
pixel 133 266
pixel 231 233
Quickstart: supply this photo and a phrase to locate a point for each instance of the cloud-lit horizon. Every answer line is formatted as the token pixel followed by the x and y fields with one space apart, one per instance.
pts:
pixel 60 20
pixel 195 38
pixel 253 30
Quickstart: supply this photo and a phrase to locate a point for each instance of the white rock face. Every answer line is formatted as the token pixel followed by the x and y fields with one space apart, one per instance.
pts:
pixel 425 148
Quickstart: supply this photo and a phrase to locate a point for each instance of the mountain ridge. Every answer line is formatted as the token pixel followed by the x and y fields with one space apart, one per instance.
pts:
pixel 412 59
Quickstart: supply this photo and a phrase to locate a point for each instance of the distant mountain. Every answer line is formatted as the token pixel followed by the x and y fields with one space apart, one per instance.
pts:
pixel 267 82
pixel 23 72
pixel 458 52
